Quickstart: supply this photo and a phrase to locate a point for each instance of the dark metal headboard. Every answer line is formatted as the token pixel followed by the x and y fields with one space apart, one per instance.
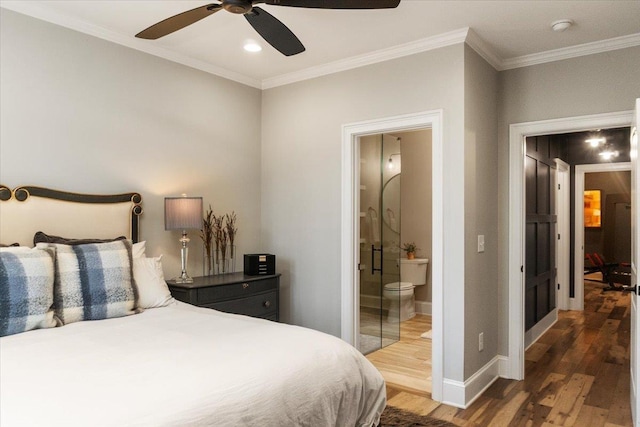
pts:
pixel 24 194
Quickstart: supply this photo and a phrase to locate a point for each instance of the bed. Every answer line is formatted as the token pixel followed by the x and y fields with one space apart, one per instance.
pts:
pixel 167 365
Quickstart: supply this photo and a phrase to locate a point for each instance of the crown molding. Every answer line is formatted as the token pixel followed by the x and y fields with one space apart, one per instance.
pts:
pixel 465 35
pixel 38 11
pixel 411 48
pixel 483 49
pixel 600 46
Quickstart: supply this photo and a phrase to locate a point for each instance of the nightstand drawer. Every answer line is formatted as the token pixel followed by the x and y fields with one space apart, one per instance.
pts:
pixel 233 293
pixel 235 290
pixel 262 305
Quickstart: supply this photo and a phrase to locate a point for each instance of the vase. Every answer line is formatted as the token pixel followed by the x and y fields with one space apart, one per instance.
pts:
pixel 208 264
pixel 411 255
pixel 232 258
pixel 223 263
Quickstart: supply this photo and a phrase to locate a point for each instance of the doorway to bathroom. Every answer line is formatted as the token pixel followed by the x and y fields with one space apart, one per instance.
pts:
pixel 395 248
pixel 350 228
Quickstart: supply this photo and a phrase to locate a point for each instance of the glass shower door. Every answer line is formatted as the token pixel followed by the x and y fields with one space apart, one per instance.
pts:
pixel 379 240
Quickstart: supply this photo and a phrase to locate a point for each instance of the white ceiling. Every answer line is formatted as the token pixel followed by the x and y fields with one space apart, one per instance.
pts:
pixel 507 33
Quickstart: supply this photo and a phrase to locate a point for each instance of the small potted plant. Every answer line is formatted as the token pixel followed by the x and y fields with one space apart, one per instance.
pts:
pixel 410 248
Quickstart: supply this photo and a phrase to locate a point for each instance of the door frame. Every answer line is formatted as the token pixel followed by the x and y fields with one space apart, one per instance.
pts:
pixel 635 223
pixel 563 252
pixel 577 302
pixel 517 134
pixel 350 233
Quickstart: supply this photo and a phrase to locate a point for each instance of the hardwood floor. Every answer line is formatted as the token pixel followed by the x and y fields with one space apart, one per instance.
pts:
pixel 406 364
pixel 577 374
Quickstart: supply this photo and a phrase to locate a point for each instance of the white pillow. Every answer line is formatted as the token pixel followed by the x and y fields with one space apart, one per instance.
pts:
pixel 139 249
pixel 152 289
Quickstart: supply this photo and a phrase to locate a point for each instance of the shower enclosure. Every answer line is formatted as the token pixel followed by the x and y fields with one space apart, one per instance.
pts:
pixel 380 168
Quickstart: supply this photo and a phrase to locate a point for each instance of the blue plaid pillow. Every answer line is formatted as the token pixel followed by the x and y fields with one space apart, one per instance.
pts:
pixel 93 281
pixel 26 289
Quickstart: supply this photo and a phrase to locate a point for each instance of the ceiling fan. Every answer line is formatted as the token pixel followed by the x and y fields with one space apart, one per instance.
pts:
pixel 269 27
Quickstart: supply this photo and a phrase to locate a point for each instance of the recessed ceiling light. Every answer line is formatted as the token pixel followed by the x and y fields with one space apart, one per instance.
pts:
pixel 594 142
pixel 252 47
pixel 608 154
pixel 561 25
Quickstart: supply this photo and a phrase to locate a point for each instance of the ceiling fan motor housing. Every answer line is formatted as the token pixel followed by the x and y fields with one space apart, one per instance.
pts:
pixel 239 7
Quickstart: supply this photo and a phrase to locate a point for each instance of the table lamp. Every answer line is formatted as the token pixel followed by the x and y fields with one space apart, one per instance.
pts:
pixel 183 213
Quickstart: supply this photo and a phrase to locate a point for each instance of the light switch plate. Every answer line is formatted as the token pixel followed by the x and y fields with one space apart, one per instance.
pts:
pixel 480 243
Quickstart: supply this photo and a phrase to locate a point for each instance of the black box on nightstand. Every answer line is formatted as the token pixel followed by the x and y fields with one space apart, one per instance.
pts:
pixel 259 264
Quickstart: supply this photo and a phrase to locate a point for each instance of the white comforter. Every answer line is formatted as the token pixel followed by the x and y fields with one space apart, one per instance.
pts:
pixel 185 366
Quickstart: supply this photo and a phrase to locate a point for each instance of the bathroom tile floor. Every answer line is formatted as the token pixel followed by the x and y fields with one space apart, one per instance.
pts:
pixel 406 364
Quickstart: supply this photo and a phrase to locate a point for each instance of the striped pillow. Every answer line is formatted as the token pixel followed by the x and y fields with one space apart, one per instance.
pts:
pixel 26 289
pixel 93 281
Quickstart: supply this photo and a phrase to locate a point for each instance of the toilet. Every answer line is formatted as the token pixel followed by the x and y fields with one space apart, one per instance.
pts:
pixel 413 272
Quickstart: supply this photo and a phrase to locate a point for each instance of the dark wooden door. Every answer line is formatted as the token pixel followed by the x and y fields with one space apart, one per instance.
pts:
pixel 541 223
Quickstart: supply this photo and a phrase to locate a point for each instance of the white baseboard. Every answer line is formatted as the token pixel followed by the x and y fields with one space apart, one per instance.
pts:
pixel 371 301
pixel 532 335
pixel 503 366
pixel 574 304
pixel 423 307
pixel 462 394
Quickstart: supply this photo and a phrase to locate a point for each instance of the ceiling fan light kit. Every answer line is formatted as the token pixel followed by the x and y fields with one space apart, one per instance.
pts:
pixel 269 27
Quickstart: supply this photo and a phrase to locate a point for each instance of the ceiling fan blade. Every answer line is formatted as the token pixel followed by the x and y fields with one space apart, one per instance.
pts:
pixel 274 32
pixel 177 22
pixel 336 4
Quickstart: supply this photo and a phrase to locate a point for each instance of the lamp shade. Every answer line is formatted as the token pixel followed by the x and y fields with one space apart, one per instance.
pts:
pixel 183 213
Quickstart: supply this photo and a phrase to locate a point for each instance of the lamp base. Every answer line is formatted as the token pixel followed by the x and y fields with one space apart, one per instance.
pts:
pixel 181 279
pixel 184 254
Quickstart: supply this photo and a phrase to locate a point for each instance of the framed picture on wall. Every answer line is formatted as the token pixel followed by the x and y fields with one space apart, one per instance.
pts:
pixel 592 209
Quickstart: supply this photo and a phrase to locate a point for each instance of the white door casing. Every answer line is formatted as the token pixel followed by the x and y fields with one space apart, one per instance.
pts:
pixel 563 250
pixel 635 262
pixel 349 273
pixel 517 134
pixel 577 302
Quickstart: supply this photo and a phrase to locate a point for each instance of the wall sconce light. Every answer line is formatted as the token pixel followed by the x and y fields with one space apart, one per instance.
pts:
pixel 183 213
pixel 390 165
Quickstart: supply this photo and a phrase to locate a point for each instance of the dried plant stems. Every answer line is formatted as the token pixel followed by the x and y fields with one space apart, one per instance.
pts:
pixel 220 231
pixel 207 235
pixel 231 229
pixel 218 235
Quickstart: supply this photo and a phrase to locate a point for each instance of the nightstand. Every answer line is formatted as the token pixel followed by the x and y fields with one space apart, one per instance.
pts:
pixel 238 293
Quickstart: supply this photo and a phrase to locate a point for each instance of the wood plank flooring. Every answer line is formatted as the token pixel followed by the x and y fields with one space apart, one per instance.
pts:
pixel 577 374
pixel 406 364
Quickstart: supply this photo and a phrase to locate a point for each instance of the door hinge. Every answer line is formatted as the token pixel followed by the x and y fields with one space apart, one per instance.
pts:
pixel 522 269
pixel 558 236
pixel 558 286
pixel 558 186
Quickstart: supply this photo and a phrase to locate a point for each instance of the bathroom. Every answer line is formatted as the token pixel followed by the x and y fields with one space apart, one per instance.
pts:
pixel 395 209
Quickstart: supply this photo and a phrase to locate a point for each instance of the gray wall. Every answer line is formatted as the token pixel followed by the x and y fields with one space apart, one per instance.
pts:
pixel 416 198
pixel 301 178
pixel 81 114
pixel 481 199
pixel 594 84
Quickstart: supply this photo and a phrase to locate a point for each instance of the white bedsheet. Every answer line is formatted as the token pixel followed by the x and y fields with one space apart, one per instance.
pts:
pixel 185 366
